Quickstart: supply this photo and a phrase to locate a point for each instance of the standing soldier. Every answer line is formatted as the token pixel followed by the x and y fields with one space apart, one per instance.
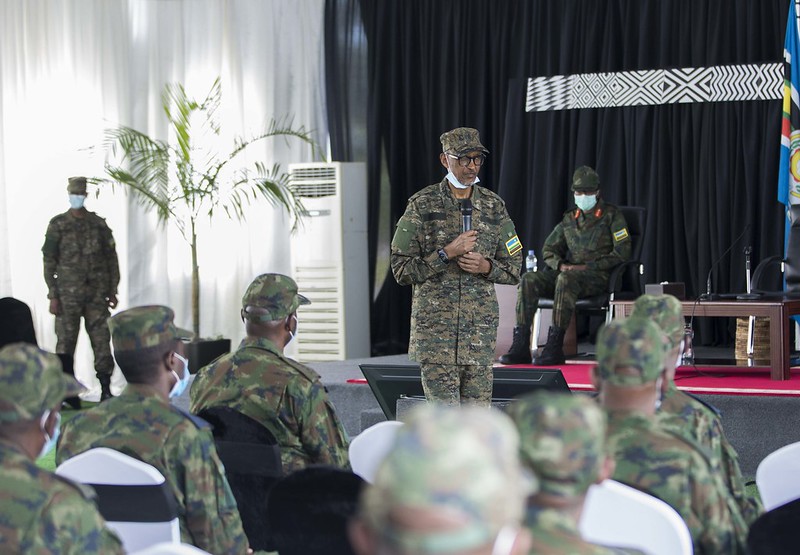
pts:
pixel 82 274
pixel 580 253
pixel 453 268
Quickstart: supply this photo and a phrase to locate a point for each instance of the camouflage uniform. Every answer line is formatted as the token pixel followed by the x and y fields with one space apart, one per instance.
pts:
pixel 82 272
pixel 285 396
pixel 461 462
pixel 39 511
pixel 598 239
pixel 142 424
pixel 681 413
pixel 563 443
pixel 454 314
pixel 655 460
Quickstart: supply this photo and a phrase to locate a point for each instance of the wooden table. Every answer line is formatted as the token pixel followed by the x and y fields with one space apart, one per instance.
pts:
pixel 777 310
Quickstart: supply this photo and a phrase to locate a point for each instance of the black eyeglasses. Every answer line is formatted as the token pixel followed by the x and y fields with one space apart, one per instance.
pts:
pixel 464 161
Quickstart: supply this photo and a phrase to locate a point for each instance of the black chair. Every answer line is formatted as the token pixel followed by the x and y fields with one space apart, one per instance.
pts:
pixel 626 281
pixel 252 460
pixel 775 532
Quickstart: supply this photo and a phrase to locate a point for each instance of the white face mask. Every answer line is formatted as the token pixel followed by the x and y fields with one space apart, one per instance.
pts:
pixel 291 333
pixel 76 201
pixel 49 442
pixel 180 382
pixel 585 202
pixel 457 184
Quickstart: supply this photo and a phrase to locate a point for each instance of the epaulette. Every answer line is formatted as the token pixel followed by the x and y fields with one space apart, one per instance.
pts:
pixel 85 490
pixel 196 420
pixel 304 370
pixel 598 212
pixel 577 214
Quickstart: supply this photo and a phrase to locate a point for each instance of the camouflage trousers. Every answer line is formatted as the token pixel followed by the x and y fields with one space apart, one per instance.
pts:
pixel 95 315
pixel 451 384
pixel 563 287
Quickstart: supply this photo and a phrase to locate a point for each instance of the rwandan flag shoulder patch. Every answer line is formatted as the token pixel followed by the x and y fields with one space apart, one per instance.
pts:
pixel 621 234
pixel 513 245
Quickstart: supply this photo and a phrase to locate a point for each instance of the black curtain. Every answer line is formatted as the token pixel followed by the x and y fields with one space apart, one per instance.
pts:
pixel 704 171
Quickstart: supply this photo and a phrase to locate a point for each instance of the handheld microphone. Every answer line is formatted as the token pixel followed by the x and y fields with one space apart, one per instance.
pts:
pixel 708 296
pixel 466 215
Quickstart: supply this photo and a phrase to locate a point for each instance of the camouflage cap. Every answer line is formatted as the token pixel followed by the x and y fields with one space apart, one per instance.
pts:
pixel 634 342
pixel 460 462
pixel 275 294
pixel 562 440
pixel 31 382
pixel 585 180
pixel 76 185
pixel 665 311
pixel 144 326
pixel 461 140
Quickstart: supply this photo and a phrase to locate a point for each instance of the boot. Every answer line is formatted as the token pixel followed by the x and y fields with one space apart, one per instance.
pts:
pixel 553 351
pixel 105 387
pixel 68 366
pixel 520 351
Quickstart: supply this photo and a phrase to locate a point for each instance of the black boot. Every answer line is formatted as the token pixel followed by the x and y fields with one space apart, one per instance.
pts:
pixel 553 351
pixel 68 366
pixel 105 387
pixel 520 351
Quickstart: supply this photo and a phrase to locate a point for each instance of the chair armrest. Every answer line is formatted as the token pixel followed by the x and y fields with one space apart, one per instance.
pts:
pixel 615 279
pixel 760 269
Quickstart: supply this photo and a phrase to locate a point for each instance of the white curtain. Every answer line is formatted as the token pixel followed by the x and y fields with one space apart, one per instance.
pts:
pixel 69 69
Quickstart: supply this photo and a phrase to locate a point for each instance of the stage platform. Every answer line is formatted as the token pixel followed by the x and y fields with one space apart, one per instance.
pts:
pixel 757 420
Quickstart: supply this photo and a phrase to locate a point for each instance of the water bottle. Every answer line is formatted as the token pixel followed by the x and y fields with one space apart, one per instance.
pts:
pixel 530 262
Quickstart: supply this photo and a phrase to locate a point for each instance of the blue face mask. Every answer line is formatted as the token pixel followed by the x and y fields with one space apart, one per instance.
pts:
pixel 180 383
pixel 49 442
pixel 457 184
pixel 585 202
pixel 76 201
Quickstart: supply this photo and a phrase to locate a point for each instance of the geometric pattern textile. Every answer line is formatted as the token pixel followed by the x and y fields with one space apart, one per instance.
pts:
pixel 657 86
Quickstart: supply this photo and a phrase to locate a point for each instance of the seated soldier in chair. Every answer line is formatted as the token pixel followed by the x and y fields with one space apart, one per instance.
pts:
pixel 580 254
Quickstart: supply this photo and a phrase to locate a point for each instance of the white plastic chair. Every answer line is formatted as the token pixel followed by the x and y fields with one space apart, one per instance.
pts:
pixel 620 516
pixel 369 448
pixel 172 549
pixel 128 511
pixel 778 476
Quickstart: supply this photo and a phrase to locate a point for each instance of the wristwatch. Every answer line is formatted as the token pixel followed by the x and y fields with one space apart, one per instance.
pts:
pixel 443 256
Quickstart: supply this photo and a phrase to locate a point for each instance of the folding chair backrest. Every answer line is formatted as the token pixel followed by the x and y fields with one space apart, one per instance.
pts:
pixel 778 476
pixel 369 448
pixel 132 496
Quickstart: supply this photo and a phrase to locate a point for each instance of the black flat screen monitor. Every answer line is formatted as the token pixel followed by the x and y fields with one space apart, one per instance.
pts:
pixel 390 382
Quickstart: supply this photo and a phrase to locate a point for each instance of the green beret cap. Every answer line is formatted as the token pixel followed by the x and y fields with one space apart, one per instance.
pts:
pixel 665 311
pixel 585 180
pixel 76 185
pixel 634 342
pixel 461 140
pixel 275 294
pixel 144 326
pixel 562 440
pixel 31 382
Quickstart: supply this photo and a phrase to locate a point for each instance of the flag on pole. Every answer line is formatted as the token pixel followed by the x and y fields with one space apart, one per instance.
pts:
pixel 789 173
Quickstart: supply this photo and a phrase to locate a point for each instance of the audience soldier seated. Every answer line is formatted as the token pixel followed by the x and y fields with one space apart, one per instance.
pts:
pixel 309 511
pixel 451 484
pixel 143 424
pixel 682 413
pixel 562 441
pixel 39 511
pixel 579 255
pixel 663 463
pixel 259 381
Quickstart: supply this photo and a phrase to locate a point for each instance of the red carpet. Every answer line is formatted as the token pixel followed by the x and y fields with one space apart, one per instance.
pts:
pixel 707 380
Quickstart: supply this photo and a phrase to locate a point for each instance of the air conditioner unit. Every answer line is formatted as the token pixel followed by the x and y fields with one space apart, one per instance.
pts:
pixel 329 262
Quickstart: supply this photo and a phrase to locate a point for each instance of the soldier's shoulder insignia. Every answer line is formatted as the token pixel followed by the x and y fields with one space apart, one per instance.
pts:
pixel 513 245
pixel 598 212
pixel 577 213
pixel 621 235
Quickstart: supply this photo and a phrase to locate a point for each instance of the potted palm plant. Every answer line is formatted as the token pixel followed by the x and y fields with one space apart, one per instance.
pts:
pixel 191 176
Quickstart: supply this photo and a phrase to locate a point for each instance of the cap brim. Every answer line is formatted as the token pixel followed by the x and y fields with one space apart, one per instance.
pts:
pixel 183 334
pixel 302 300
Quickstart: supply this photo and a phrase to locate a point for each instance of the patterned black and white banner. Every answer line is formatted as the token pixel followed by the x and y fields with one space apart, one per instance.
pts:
pixel 653 87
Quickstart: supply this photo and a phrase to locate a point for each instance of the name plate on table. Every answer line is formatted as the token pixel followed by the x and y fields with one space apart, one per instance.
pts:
pixel 676 289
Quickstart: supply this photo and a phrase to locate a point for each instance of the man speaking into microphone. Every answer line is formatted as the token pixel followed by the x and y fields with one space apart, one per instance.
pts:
pixel 452 244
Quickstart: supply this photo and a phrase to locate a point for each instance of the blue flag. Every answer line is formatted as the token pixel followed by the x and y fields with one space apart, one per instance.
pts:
pixel 789 173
